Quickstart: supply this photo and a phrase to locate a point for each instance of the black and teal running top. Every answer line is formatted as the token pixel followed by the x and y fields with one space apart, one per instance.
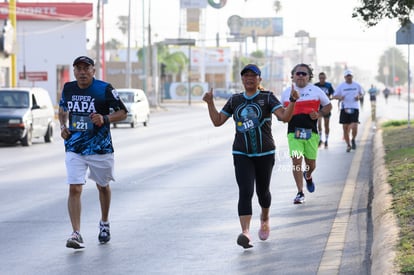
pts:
pixel 253 122
pixel 87 138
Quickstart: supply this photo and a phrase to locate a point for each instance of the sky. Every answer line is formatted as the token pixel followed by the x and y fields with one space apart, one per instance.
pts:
pixel 340 38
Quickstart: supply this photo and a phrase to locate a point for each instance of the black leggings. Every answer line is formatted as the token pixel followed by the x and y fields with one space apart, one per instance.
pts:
pixel 248 170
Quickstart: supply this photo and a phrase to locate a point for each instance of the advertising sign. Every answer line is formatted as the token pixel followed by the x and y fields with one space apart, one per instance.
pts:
pixel 193 4
pixel 49 11
pixel 265 26
pixel 179 90
pixel 33 76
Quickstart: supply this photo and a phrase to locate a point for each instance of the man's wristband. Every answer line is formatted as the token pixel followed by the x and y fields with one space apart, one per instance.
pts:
pixel 106 120
pixel 292 99
pixel 63 126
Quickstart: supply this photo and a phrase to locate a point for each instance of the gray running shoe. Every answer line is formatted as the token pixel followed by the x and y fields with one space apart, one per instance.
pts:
pixel 75 241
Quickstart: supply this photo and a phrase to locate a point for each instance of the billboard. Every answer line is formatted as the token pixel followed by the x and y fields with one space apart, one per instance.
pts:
pixel 193 4
pixel 260 26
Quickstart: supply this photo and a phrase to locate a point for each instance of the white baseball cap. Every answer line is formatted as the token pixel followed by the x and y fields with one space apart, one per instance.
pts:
pixel 348 72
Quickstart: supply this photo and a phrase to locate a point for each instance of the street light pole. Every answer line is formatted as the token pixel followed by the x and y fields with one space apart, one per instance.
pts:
pixel 12 18
pixel 144 55
pixel 98 40
pixel 189 74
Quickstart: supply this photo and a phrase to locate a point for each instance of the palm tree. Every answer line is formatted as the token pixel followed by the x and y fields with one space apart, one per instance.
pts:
pixel 174 62
pixel 277 6
pixel 122 24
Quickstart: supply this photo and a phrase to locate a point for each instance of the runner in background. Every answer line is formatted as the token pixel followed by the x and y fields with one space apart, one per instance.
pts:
pixel 329 91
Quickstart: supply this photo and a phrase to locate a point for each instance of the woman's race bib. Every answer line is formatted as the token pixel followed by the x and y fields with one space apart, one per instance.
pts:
pixel 245 124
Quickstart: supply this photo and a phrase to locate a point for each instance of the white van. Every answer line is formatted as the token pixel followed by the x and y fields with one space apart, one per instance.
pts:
pixel 25 113
pixel 138 107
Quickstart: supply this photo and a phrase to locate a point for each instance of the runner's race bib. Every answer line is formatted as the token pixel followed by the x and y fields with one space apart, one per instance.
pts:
pixel 81 123
pixel 303 133
pixel 349 111
pixel 245 124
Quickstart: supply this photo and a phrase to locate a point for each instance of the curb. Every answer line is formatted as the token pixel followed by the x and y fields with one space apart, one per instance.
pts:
pixel 385 226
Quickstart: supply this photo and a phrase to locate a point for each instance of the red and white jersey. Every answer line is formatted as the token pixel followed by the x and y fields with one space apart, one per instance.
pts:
pixel 311 98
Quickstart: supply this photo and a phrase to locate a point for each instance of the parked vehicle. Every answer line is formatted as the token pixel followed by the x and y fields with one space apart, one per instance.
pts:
pixel 138 107
pixel 223 93
pixel 25 113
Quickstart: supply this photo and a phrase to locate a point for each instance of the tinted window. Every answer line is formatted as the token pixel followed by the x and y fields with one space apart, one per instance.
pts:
pixel 126 96
pixel 14 99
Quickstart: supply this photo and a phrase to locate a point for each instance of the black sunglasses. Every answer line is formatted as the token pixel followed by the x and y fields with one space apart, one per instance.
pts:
pixel 301 73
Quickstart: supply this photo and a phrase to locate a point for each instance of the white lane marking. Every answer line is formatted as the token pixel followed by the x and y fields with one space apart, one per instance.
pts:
pixel 332 256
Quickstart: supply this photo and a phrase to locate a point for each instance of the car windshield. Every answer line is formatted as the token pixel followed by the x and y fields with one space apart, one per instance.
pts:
pixel 127 97
pixel 14 99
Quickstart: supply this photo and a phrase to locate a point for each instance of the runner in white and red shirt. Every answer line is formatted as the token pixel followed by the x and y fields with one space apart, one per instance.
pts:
pixel 303 137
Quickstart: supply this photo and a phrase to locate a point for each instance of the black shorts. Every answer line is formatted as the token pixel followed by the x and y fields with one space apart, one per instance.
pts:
pixel 348 116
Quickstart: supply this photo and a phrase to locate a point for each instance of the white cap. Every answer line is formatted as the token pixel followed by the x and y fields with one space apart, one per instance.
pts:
pixel 348 72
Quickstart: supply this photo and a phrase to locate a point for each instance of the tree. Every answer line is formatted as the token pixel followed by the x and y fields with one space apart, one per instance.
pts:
pixel 392 68
pixel 372 12
pixel 122 24
pixel 277 6
pixel 113 44
pixel 175 62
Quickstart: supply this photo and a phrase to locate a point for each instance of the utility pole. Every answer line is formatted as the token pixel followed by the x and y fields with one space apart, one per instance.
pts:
pixel 98 40
pixel 12 18
pixel 128 61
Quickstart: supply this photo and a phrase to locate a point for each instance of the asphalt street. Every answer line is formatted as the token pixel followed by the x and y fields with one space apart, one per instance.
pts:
pixel 174 204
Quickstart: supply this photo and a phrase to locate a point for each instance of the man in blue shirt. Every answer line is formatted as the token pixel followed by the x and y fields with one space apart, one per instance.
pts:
pixel 86 104
pixel 329 91
pixel 373 91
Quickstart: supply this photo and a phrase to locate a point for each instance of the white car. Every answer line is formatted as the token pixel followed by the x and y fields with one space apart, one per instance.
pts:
pixel 26 113
pixel 138 107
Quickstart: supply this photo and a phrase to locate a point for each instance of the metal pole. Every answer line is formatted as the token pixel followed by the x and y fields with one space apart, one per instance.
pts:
pixel 12 18
pixel 144 55
pixel 189 74
pixel 98 41
pixel 409 89
pixel 103 43
pixel 128 61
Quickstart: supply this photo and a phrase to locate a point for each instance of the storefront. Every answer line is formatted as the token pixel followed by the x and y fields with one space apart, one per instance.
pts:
pixel 49 36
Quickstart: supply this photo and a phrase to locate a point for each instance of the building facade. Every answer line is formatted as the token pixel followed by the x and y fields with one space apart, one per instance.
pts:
pixel 49 36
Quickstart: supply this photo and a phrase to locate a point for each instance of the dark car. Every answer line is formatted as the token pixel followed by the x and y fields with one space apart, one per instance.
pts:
pixel 25 113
